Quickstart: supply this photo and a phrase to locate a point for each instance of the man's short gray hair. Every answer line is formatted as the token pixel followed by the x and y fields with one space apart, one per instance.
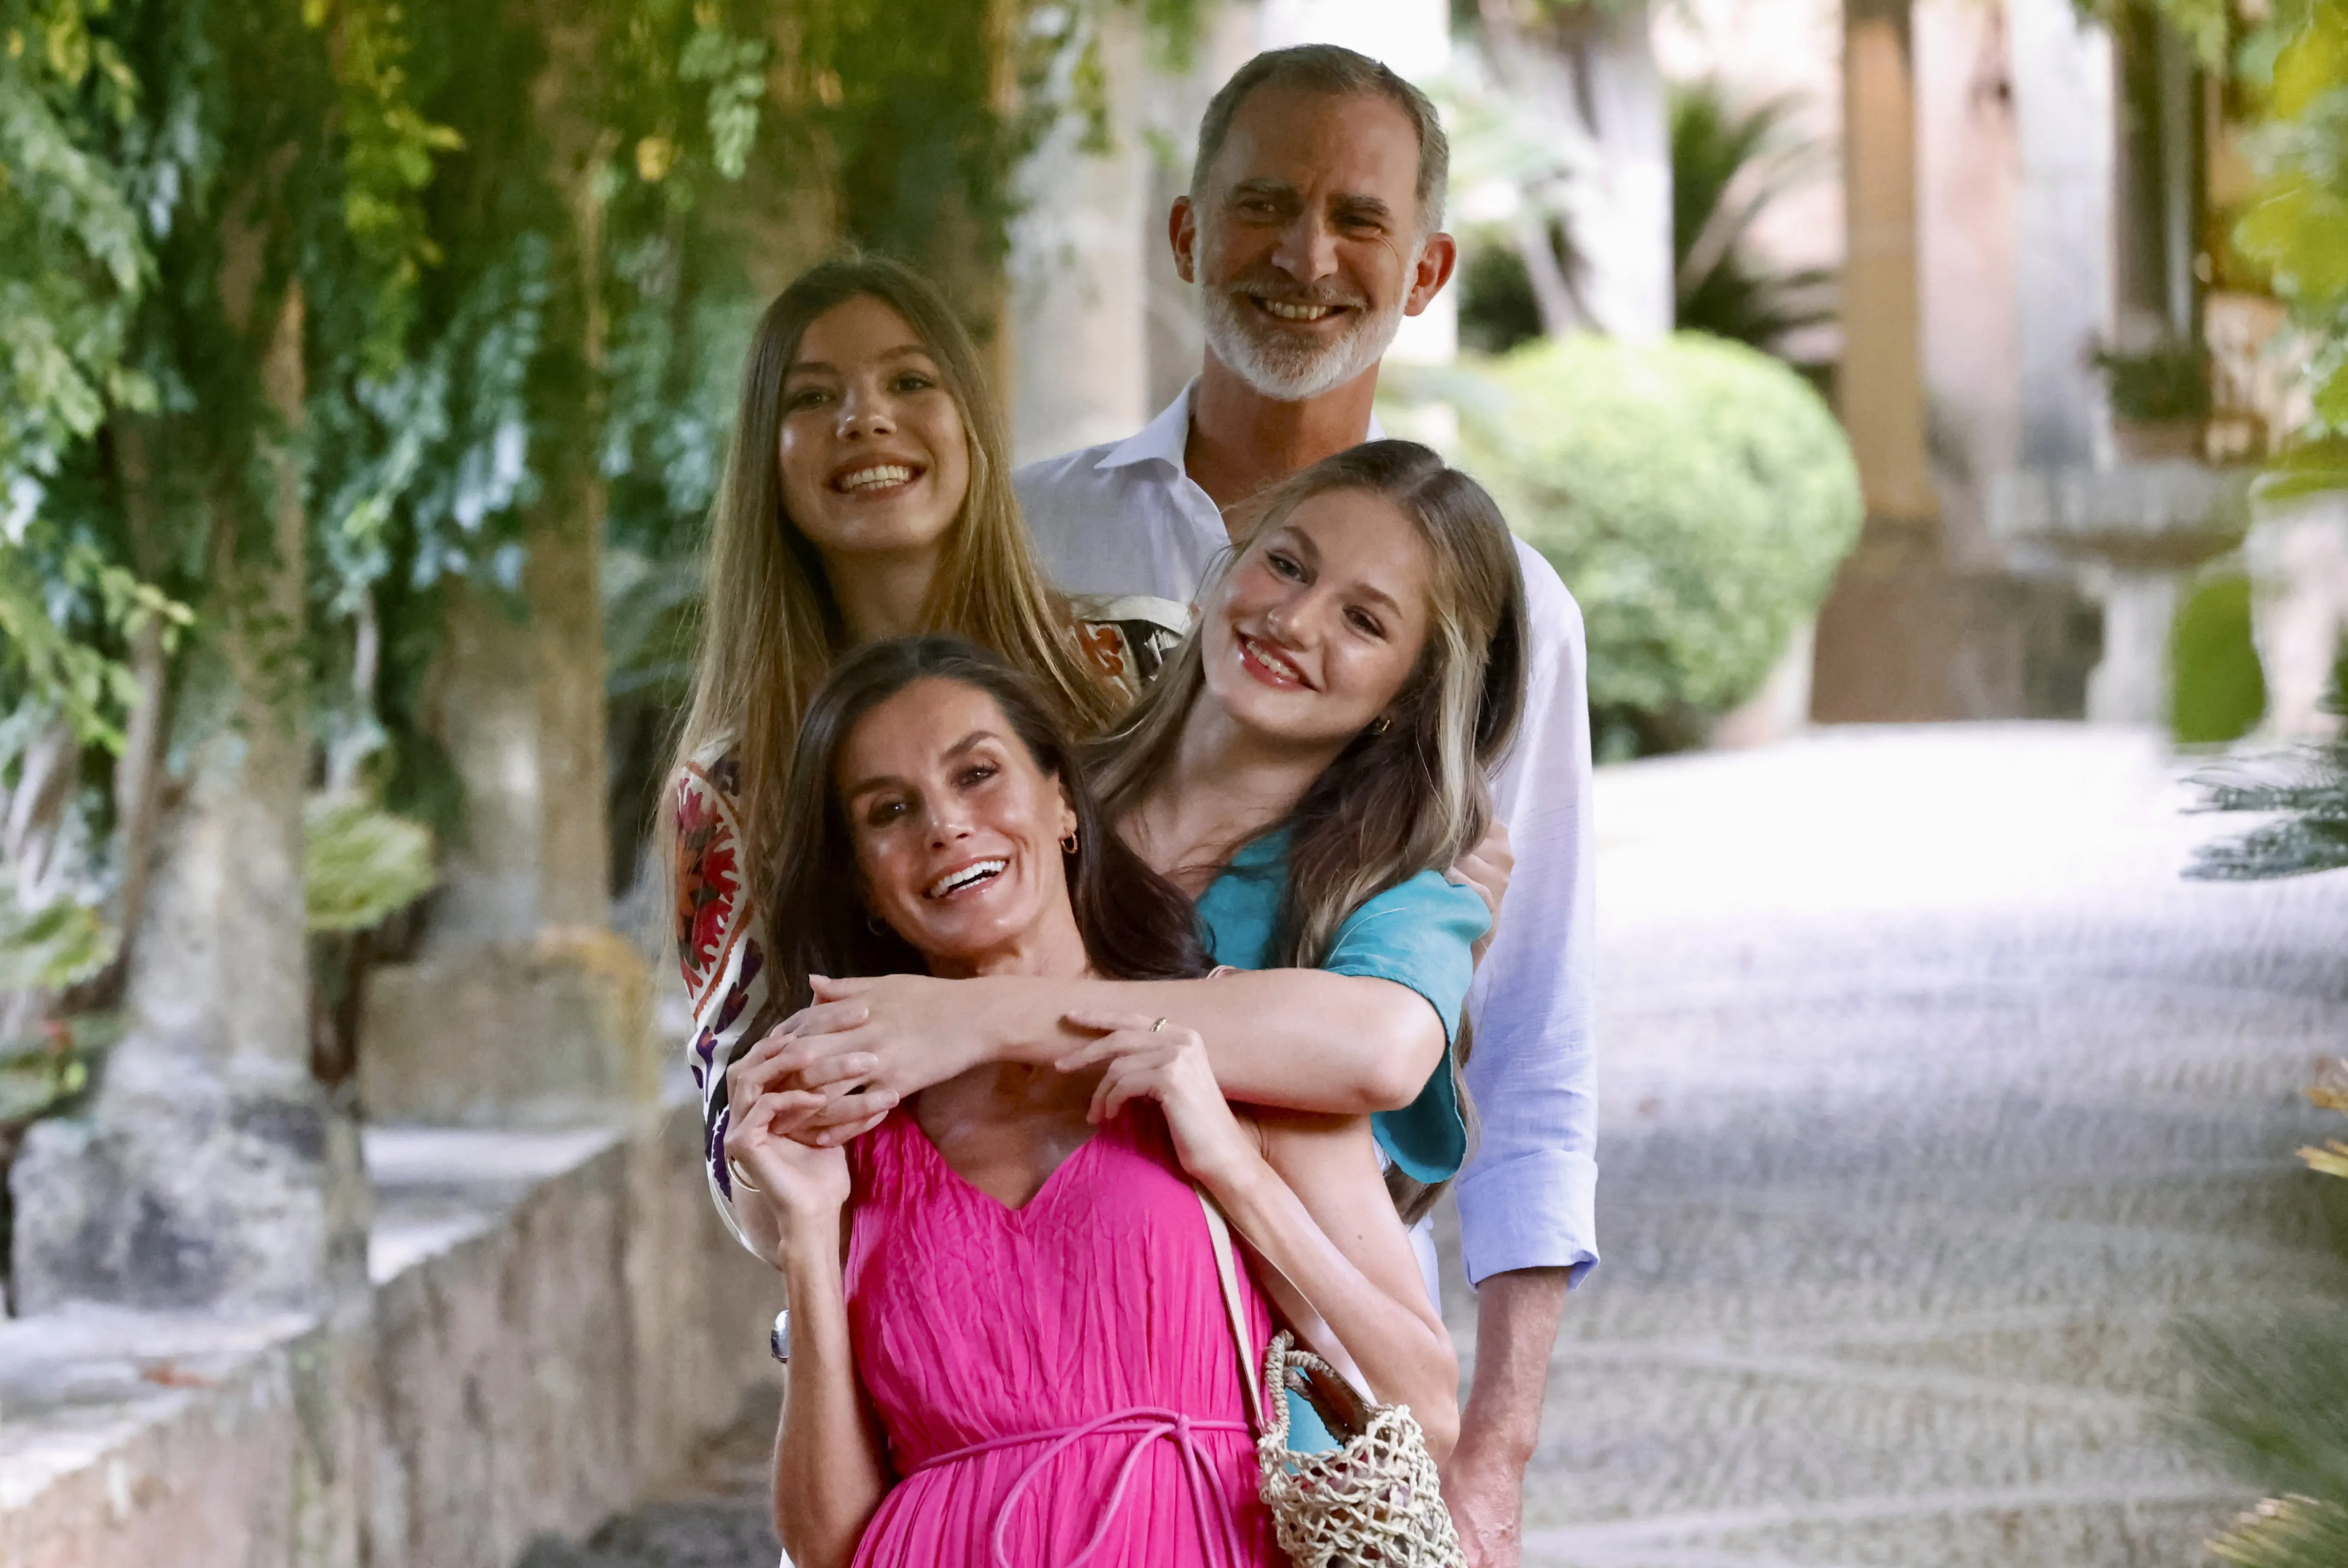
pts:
pixel 1339 73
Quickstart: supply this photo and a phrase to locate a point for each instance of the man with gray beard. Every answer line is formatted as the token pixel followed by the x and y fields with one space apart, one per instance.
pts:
pixel 1313 226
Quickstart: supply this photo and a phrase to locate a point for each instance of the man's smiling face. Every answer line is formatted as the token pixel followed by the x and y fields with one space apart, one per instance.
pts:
pixel 1305 240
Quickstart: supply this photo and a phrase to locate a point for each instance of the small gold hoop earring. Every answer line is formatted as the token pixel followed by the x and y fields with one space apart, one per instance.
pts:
pixel 1380 725
pixel 1068 845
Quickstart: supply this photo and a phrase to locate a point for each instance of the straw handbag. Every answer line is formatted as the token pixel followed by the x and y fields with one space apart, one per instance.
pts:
pixel 1373 1502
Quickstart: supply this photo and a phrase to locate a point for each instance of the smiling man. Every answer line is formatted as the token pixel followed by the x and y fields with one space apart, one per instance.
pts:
pixel 1313 225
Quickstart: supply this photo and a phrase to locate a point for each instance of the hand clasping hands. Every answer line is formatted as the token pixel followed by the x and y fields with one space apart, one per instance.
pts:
pixel 867 1043
pixel 784 1190
pixel 1166 1063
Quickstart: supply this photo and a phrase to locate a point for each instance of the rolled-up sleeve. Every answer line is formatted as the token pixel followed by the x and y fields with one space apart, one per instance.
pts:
pixel 1528 1199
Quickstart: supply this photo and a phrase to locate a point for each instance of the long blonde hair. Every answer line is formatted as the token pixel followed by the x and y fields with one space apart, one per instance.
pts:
pixel 1400 800
pixel 770 626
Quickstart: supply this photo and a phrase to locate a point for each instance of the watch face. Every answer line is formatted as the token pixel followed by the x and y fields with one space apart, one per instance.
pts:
pixel 779 1338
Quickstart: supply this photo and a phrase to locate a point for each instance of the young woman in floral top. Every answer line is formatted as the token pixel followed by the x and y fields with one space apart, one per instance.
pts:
pixel 868 495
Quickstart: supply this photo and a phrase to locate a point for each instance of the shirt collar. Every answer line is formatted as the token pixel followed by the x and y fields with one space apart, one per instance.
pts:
pixel 1160 440
pixel 1164 439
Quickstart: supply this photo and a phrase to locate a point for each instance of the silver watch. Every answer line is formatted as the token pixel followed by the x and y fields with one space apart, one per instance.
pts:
pixel 779 1337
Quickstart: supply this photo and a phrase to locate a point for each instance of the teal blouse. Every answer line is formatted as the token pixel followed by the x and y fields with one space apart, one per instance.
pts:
pixel 1419 935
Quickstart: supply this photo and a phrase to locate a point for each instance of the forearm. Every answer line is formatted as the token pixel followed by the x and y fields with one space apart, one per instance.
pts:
pixel 1517 1317
pixel 1403 1353
pixel 827 1472
pixel 1300 1039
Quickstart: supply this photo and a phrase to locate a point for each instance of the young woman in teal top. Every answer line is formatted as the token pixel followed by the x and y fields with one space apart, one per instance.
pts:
pixel 1306 766
pixel 1422 935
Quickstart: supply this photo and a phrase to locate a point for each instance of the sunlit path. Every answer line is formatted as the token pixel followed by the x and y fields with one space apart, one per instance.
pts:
pixel 1931 1096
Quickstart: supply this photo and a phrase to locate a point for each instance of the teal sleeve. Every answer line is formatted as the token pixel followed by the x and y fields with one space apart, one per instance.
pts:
pixel 1421 934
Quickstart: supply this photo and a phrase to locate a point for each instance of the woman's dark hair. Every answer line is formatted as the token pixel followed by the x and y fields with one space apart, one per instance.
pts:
pixel 1136 925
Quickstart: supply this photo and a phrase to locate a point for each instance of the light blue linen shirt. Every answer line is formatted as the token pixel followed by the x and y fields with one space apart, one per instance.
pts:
pixel 1127 518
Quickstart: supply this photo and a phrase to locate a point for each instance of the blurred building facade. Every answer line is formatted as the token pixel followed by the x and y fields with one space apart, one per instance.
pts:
pixel 2029 226
pixel 2019 190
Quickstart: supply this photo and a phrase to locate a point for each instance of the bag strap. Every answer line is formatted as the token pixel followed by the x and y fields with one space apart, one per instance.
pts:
pixel 1227 1270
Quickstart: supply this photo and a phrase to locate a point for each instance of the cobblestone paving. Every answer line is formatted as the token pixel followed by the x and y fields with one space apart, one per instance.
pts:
pixel 1931 1098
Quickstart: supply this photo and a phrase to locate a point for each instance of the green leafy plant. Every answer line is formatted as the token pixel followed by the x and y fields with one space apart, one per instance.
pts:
pixel 360 863
pixel 1729 164
pixel 2271 1400
pixel 40 1073
pixel 1695 495
pixel 518 252
pixel 2217 691
pixel 2296 225
pixel 2306 793
pixel 2168 381
pixel 52 947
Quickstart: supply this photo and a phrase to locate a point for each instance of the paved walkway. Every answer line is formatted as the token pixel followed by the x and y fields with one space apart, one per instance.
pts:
pixel 1931 1096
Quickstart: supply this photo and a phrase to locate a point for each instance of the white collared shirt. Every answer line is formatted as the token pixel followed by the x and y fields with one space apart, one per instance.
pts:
pixel 1126 518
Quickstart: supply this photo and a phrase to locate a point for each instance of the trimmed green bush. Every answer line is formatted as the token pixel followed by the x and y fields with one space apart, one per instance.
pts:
pixel 2217 692
pixel 1695 495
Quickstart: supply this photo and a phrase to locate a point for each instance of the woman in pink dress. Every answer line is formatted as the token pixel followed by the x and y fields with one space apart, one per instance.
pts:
pixel 1008 1345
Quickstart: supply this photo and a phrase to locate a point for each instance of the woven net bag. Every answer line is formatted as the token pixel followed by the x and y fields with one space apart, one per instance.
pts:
pixel 1376 1501
pixel 1373 1502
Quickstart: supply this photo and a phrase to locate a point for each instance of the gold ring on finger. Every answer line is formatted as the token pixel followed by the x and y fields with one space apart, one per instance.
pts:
pixel 1157 1026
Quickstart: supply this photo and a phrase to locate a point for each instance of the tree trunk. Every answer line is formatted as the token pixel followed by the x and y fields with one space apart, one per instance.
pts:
pixel 209 1169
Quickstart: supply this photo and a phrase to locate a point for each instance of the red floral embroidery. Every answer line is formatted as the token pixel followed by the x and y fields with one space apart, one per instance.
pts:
pixel 1105 645
pixel 708 882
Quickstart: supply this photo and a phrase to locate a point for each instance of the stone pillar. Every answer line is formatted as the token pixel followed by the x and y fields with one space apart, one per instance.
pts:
pixel 1079 350
pixel 1888 632
pixel 2297 556
pixel 1969 189
pixel 1780 710
pixel 210 1169
pixel 2063 243
pixel 522 1005
pixel 2130 685
pixel 1882 379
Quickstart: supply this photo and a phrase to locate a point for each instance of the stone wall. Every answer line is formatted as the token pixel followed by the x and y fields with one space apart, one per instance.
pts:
pixel 556 1321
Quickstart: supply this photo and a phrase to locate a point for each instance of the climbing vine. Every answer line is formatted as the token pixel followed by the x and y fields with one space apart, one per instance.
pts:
pixel 521 254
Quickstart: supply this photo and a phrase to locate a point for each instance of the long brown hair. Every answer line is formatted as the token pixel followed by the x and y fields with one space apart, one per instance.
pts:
pixel 770 626
pixel 1407 797
pixel 1136 925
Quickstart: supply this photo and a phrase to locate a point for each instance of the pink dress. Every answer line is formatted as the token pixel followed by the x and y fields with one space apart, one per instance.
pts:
pixel 1058 1383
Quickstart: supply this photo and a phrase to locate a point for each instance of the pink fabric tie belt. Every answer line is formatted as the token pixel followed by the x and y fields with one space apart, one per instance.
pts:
pixel 1145 1425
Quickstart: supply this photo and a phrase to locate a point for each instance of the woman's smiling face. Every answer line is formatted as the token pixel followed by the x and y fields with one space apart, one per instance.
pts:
pixel 1321 620
pixel 875 459
pixel 957 831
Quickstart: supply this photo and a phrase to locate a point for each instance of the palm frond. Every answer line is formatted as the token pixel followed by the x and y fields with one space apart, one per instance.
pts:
pixel 2287 1532
pixel 1729 163
pixel 2308 790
